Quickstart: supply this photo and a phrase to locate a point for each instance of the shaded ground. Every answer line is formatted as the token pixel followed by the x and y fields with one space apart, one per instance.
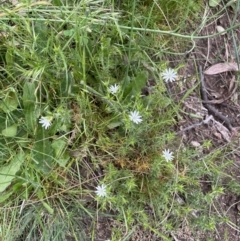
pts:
pixel 222 91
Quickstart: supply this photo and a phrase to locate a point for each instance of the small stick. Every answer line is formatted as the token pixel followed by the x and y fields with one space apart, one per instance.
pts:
pixel 195 125
pixel 210 108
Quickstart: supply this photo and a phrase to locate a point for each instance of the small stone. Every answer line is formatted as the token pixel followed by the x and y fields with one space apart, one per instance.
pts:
pixel 195 144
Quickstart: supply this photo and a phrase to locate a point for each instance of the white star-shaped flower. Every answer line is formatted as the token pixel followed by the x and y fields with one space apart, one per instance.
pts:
pixel 113 89
pixel 168 155
pixel 101 191
pixel 135 117
pixel 45 121
pixel 169 75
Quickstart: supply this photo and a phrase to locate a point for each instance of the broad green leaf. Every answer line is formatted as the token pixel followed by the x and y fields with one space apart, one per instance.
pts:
pixel 113 125
pixel 58 146
pixel 10 131
pixel 41 31
pixel 232 3
pixel 63 160
pixel 214 3
pixel 7 173
pixel 57 3
pixel 140 81
pixel 29 97
pixel 134 86
pixel 30 118
pixel 42 151
pixel 61 156
pixel 69 32
pixel 10 102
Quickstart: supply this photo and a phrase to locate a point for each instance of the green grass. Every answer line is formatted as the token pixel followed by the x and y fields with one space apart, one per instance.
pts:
pixel 58 61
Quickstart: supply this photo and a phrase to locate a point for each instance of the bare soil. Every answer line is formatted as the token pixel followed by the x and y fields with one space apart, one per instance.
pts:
pixel 223 94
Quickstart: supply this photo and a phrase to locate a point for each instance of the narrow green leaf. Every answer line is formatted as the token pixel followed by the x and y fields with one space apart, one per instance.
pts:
pixel 48 208
pixel 10 57
pixel 5 196
pixel 66 85
pixel 30 117
pixel 29 103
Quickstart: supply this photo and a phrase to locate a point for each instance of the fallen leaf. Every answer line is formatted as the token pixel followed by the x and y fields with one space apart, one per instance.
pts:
pixel 222 131
pixel 221 67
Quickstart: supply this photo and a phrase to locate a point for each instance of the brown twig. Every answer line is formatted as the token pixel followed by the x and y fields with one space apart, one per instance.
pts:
pixel 210 108
pixel 195 125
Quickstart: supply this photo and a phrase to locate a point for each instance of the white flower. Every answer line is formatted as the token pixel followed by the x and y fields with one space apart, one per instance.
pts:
pixel 135 117
pixel 113 89
pixel 45 121
pixel 101 190
pixel 169 75
pixel 168 155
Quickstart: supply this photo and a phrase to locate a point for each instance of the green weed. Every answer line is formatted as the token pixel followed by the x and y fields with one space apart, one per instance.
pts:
pixel 85 105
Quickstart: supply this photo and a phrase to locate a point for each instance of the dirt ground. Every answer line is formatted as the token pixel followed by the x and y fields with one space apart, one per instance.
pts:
pixel 222 92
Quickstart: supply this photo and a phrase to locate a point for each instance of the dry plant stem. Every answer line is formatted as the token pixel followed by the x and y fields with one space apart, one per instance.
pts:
pixel 189 128
pixel 208 51
pixel 210 108
pixel 195 125
pixel 174 237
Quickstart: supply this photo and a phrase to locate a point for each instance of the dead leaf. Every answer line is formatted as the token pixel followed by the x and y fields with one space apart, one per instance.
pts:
pixel 222 131
pixel 14 2
pixel 3 34
pixel 221 67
